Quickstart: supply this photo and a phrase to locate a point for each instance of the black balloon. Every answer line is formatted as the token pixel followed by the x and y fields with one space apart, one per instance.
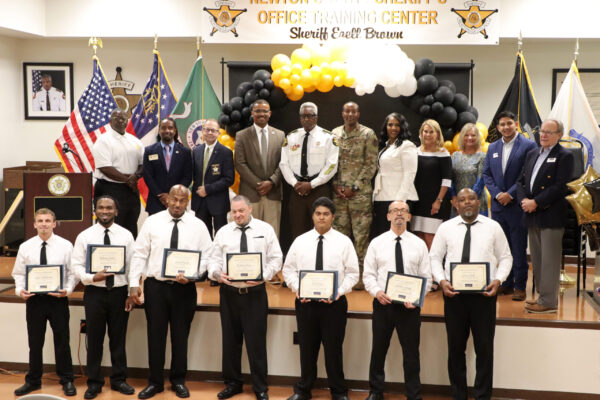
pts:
pixel 261 74
pixel 236 116
pixel 424 110
pixel 224 120
pixel 424 67
pixel 473 111
pixel 426 84
pixel 447 117
pixel 233 128
pixel 258 84
pixel 465 117
pixel 237 103
pixel 429 99
pixel 250 97
pixel 243 88
pixel 416 102
pixel 448 133
pixel 226 108
pixel 245 113
pixel 269 84
pixel 444 95
pixel 264 93
pixel 277 98
pixel 460 103
pixel 437 108
pixel 449 84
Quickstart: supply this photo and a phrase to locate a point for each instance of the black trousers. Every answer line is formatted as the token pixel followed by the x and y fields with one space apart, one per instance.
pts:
pixel 244 317
pixel 407 323
pixel 168 304
pixel 300 209
pixel 39 310
pixel 215 222
pixel 380 222
pixel 106 308
pixel 477 314
pixel 129 203
pixel 321 323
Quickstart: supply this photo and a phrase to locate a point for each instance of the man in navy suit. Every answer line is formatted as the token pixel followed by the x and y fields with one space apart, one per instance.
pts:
pixel 212 164
pixel 166 164
pixel 541 193
pixel 501 171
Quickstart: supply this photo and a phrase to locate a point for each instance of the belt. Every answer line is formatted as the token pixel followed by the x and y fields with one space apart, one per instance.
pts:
pixel 305 178
pixel 243 290
pixel 166 282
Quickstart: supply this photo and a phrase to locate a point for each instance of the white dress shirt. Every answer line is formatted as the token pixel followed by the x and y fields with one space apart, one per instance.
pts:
pixel 322 156
pixel 258 129
pixel 260 237
pixel 124 152
pixel 118 235
pixel 57 100
pixel 338 255
pixel 155 237
pixel 381 259
pixel 58 252
pixel 488 244
pixel 506 149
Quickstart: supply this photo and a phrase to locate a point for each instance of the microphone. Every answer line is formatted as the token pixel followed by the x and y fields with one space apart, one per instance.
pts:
pixel 66 148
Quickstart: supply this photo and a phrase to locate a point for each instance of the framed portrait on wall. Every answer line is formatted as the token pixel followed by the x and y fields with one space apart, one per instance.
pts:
pixel 48 90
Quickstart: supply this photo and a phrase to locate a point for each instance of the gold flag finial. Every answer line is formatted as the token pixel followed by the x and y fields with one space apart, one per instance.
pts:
pixel 156 42
pixel 198 41
pixel 576 54
pixel 520 41
pixel 95 42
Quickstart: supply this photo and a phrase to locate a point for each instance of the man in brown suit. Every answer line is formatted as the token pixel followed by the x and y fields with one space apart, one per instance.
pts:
pixel 257 156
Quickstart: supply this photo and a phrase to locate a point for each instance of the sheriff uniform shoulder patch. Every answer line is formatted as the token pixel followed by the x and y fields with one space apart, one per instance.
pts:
pixel 284 142
pixel 336 141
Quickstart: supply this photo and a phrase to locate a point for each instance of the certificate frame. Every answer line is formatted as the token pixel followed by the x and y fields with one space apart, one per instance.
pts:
pixel 168 252
pixel 91 248
pixel 423 288
pixel 30 268
pixel 302 274
pixel 455 266
pixel 229 256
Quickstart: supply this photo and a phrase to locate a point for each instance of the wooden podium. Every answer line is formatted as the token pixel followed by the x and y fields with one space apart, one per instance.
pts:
pixel 69 195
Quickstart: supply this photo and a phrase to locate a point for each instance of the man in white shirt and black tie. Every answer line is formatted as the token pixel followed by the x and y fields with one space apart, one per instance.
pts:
pixel 168 302
pixel 470 237
pixel 244 305
pixel 396 250
pixel 46 248
pixel 104 298
pixel 323 321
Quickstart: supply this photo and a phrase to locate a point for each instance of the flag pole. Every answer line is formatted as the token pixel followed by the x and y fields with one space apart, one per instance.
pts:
pixel 520 42
pixel 198 41
pixel 576 53
pixel 156 42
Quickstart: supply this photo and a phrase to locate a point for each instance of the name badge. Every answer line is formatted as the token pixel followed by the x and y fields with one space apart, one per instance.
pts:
pixel 153 157
pixel 553 159
pixel 495 155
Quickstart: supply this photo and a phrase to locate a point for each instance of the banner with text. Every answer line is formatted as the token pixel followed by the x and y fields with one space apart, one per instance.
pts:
pixel 391 21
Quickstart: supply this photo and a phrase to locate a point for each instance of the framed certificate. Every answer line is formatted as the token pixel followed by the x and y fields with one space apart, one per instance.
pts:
pixel 317 285
pixel 101 256
pixel 43 278
pixel 243 267
pixel 406 288
pixel 186 262
pixel 470 277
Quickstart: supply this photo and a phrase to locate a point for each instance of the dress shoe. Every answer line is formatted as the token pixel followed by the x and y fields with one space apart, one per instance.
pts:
pixel 261 395
pixel 150 391
pixel 122 387
pixel 539 309
pixel 298 396
pixel 92 392
pixel 181 390
pixel 531 302
pixel 505 290
pixel 69 389
pixel 27 388
pixel 375 396
pixel 519 295
pixel 229 391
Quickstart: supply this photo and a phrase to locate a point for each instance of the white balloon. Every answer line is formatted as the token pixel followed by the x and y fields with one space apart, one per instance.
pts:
pixel 409 87
pixel 392 91
pixel 360 92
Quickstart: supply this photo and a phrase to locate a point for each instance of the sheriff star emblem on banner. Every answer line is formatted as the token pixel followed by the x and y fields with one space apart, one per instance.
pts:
pixel 473 19
pixel 224 18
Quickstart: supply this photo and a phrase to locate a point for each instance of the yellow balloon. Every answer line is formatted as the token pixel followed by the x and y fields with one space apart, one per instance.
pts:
pixel 455 141
pixel 482 129
pixel 325 84
pixel 338 81
pixel 315 73
pixel 325 69
pixel 348 81
pixel 320 55
pixel 279 60
pixel 297 69
pixel 288 90
pixel 225 139
pixel 449 146
pixel 338 52
pixel 301 56
pixel 284 83
pixel 343 72
pixel 336 67
pixel 276 76
pixel 306 79
pixel 295 97
pixel 285 71
pixel 485 146
pixel 298 90
pixel 310 89
pixel 295 79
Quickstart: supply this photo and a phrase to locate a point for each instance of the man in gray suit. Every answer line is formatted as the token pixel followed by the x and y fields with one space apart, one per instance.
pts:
pixel 257 156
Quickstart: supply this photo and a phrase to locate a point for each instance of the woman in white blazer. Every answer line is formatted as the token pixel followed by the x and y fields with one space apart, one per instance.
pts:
pixel 397 167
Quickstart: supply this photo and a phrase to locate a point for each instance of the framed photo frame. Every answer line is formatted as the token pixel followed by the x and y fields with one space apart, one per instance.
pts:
pixel 48 90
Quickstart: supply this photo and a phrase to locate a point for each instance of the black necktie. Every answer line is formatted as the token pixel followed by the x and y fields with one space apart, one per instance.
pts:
pixel 319 262
pixel 399 260
pixel 243 240
pixel 47 100
pixel 43 259
pixel 466 253
pixel 110 280
pixel 304 161
pixel 175 234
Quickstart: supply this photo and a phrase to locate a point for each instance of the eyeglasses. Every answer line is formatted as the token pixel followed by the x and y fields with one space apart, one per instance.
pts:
pixel 544 132
pixel 210 130
pixel 398 211
pixel 307 116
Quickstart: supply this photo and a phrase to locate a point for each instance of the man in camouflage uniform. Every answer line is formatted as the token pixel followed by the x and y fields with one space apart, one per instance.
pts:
pixel 352 184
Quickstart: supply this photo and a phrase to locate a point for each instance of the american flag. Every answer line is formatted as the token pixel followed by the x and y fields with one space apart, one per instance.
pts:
pixel 36 80
pixel 87 121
